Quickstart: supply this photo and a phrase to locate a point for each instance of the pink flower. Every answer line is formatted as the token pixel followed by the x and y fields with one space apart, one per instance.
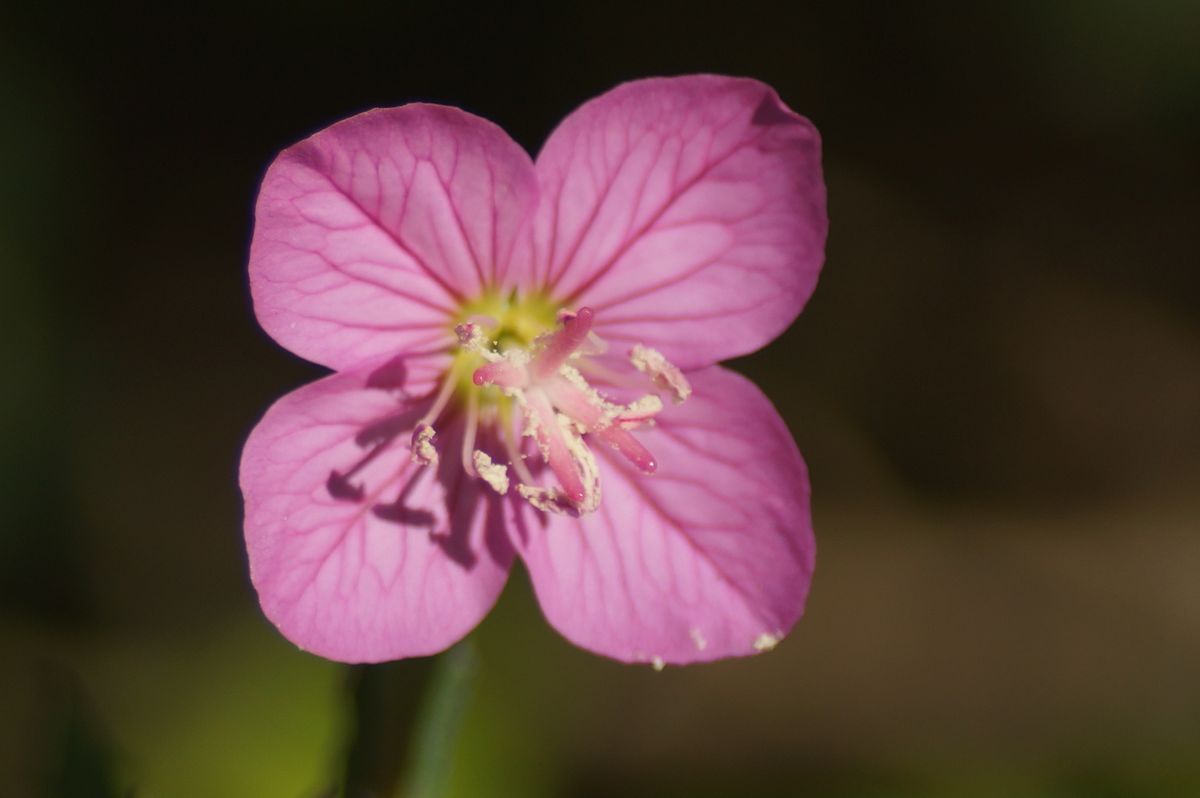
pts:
pixel 524 357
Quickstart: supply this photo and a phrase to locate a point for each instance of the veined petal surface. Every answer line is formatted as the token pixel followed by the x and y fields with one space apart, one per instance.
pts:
pixel 357 554
pixel 369 233
pixel 688 212
pixel 710 557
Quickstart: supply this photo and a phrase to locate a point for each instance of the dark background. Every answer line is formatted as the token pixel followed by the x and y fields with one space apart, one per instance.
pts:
pixel 996 386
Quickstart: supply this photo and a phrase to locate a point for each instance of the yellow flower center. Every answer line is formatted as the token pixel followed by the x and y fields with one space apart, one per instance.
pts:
pixel 509 321
pixel 524 359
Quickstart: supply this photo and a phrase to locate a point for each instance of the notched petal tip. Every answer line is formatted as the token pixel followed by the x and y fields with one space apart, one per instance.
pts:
pixel 692 210
pixel 772 111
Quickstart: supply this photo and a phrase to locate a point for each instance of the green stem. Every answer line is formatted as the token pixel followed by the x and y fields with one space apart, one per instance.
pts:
pixel 386 701
pixel 440 722
pixel 407 715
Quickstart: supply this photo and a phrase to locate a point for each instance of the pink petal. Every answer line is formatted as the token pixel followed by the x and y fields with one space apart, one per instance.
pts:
pixel 709 558
pixel 688 212
pixel 369 233
pixel 384 561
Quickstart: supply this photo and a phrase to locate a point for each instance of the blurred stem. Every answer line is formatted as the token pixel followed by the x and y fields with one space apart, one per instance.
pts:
pixel 406 717
pixel 440 722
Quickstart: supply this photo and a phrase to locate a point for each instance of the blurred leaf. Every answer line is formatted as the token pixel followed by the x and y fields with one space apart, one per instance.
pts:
pixel 79 756
pixel 225 711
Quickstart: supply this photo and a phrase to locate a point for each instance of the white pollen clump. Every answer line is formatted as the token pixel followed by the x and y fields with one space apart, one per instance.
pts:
pixel 698 639
pixel 572 375
pixel 661 372
pixel 516 356
pixel 492 473
pixel 471 337
pixel 657 663
pixel 423 451
pixel 766 641
pixel 640 411
pixel 548 500
pixel 528 425
pixel 594 397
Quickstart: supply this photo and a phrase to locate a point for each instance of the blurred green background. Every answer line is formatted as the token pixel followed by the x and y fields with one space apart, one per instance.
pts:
pixel 996 386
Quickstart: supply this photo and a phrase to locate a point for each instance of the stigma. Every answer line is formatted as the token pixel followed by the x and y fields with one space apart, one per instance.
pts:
pixel 543 391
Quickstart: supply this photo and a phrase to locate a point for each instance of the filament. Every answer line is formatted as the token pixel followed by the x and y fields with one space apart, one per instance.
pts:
pixel 514 454
pixel 468 447
pixel 439 402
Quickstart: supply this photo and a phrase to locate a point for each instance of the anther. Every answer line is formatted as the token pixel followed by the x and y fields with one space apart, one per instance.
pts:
pixel 423 451
pixel 661 372
pixel 561 409
pixel 494 474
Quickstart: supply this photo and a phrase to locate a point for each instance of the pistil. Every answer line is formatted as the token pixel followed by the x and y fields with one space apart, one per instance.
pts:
pixel 559 409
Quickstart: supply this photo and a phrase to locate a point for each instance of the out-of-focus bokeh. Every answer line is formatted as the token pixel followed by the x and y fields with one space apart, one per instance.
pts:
pixel 996 387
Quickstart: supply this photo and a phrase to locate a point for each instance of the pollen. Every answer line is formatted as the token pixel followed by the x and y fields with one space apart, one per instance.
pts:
pixel 766 641
pixel 494 474
pixel 526 377
pixel 660 371
pixel 423 450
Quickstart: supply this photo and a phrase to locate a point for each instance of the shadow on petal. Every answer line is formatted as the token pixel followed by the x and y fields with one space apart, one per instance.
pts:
pixel 391 376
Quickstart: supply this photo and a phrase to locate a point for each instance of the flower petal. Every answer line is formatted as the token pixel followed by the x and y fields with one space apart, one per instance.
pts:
pixel 368 233
pixel 357 554
pixel 688 212
pixel 709 558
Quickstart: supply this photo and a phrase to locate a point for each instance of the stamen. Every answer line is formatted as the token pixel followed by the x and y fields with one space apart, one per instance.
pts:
pixel 640 411
pixel 579 401
pixel 573 396
pixel 439 402
pixel 515 458
pixel 471 336
pixel 548 500
pixel 558 406
pixel 661 372
pixel 561 344
pixel 601 372
pixel 492 473
pixel 553 442
pixel 423 451
pixel 629 446
pixel 468 444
